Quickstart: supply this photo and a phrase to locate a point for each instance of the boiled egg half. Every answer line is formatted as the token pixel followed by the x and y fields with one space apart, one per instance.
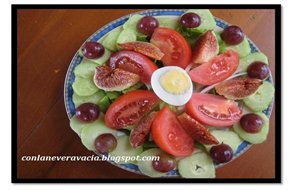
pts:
pixel 172 85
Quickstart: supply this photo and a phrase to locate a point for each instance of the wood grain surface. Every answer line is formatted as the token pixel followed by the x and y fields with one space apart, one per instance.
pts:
pixel 47 41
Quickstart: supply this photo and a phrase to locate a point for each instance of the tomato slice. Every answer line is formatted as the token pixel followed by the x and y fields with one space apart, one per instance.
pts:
pixel 177 50
pixel 130 108
pixel 133 62
pixel 213 110
pixel 144 48
pixel 169 135
pixel 217 69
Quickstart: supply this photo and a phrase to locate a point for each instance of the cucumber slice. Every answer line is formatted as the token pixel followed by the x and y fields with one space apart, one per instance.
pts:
pixel 78 100
pixel 85 69
pixel 242 48
pixel 207 20
pixel 104 103
pixel 254 138
pixel 168 22
pixel 84 87
pixel 131 24
pixel 91 131
pixel 76 125
pixel 113 95
pixel 127 35
pixel 246 61
pixel 262 98
pixel 218 36
pixel 103 58
pixel 146 166
pixel 198 165
pixel 124 149
pixel 227 137
pixel 110 41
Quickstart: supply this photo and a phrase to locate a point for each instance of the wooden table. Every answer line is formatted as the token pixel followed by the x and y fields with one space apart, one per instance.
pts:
pixel 47 41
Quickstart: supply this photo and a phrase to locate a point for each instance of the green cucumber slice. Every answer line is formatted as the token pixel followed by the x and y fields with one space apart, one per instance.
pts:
pixel 104 103
pixel 124 149
pixel 84 87
pixel 218 36
pixel 85 69
pixel 262 98
pixel 113 95
pixel 127 35
pixel 168 22
pixel 198 165
pixel 131 24
pixel 78 100
pixel 207 20
pixel 227 137
pixel 103 58
pixel 91 131
pixel 243 48
pixel 146 166
pixel 110 41
pixel 76 125
pixel 246 61
pixel 254 138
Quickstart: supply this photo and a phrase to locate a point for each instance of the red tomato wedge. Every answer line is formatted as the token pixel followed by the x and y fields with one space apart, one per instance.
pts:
pixel 213 110
pixel 130 108
pixel 133 62
pixel 217 69
pixel 169 135
pixel 144 48
pixel 177 50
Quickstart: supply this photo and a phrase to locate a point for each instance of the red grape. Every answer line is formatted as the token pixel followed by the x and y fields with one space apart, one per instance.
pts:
pixel 221 153
pixel 92 50
pixel 165 163
pixel 251 122
pixel 232 35
pixel 105 143
pixel 258 70
pixel 87 112
pixel 147 24
pixel 190 20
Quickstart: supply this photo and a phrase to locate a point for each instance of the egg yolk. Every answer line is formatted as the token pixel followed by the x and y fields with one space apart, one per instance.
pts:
pixel 174 82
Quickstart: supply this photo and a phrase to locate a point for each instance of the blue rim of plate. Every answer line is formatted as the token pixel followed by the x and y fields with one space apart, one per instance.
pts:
pixel 68 91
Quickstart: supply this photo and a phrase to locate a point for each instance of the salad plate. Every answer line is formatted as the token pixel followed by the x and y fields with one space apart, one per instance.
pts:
pixel 116 25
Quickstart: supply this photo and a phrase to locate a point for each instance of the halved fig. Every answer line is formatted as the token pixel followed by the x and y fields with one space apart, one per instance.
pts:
pixel 238 88
pixel 117 79
pixel 196 130
pixel 206 48
pixel 133 62
pixel 139 134
pixel 144 48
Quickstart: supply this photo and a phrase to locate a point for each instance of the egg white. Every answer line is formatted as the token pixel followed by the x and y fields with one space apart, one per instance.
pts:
pixel 172 99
